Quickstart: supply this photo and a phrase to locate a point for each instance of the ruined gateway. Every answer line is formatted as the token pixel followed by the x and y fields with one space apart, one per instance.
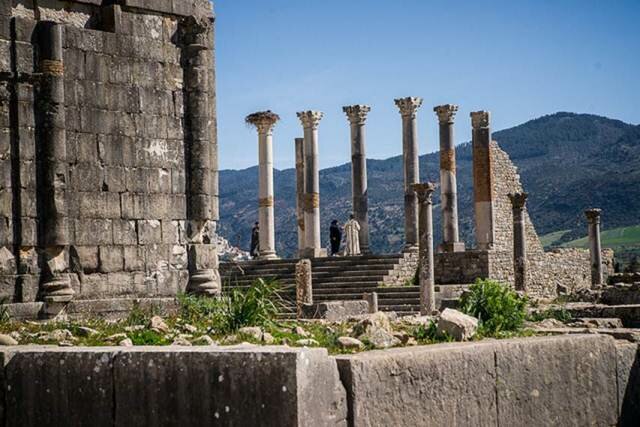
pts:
pixel 108 155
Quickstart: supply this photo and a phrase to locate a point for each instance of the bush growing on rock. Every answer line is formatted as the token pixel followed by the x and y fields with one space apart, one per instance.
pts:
pixel 495 305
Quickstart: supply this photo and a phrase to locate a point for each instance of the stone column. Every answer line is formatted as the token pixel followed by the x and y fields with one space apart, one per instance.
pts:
pixel 408 109
pixel 518 201
pixel 448 184
pixel 264 122
pixel 425 253
pixel 357 115
pixel 595 246
pixel 53 216
pixel 204 278
pixel 483 180
pixel 310 121
pixel 300 192
pixel 304 286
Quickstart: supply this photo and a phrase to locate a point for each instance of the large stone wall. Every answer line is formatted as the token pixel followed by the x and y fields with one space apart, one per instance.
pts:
pixel 127 143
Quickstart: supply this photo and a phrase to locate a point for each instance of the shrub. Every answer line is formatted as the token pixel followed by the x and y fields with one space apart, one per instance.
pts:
pixel 497 307
pixel 256 306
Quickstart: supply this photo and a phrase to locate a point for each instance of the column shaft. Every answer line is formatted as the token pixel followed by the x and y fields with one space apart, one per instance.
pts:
pixel 595 246
pixel 312 193
pixel 204 278
pixel 448 183
pixel 425 252
pixel 518 201
pixel 357 118
pixel 266 214
pixel 310 121
pixel 483 180
pixel 300 192
pixel 408 109
pixel 53 171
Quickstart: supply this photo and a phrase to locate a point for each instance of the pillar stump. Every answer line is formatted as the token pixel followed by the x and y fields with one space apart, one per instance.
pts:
pixel 595 246
pixel 426 277
pixel 264 121
pixel 357 115
pixel 483 192
pixel 408 110
pixel 518 201
pixel 448 182
pixel 304 286
pixel 313 246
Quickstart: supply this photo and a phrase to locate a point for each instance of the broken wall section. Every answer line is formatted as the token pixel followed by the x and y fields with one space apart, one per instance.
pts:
pixel 127 143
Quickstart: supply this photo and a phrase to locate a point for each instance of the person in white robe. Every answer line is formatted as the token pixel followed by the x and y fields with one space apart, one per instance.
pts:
pixel 352 235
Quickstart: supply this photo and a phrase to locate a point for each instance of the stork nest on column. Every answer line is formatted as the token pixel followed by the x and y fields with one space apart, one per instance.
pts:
pixel 262 117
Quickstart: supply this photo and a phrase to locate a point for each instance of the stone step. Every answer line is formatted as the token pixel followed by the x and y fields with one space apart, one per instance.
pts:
pixel 359 267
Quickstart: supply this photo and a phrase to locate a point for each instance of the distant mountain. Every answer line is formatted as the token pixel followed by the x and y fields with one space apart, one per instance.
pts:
pixel 567 162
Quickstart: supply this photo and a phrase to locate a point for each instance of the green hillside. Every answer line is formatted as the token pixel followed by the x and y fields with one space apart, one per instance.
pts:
pixel 623 237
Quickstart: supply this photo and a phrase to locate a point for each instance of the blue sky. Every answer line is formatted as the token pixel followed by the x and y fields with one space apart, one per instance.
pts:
pixel 518 59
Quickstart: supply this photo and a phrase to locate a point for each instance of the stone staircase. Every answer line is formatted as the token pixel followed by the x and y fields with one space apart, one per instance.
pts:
pixel 342 278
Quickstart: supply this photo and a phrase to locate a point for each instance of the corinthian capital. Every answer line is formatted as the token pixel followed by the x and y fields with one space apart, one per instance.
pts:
pixel 310 119
pixel 518 200
pixel 263 120
pixel 424 191
pixel 409 106
pixel 593 215
pixel 357 114
pixel 446 113
pixel 480 119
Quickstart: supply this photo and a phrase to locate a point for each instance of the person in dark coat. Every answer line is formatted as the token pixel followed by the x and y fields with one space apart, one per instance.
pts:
pixel 335 236
pixel 255 240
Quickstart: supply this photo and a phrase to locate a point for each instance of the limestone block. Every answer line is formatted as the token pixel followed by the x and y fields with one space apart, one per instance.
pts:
pixel 628 361
pixel 111 259
pixel 124 232
pixel 149 232
pixel 335 311
pixel 459 326
pixel 93 232
pixel 54 386
pixel 548 381
pixel 250 386
pixel 88 258
pixel 439 385
pixel 134 258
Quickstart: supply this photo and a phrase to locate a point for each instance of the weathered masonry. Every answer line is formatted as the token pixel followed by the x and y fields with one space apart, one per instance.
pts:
pixel 108 149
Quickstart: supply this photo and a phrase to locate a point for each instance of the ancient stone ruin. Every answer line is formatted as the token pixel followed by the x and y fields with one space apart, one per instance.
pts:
pixel 108 151
pixel 108 155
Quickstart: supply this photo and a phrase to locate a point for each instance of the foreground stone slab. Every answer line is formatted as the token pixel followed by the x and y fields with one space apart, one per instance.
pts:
pixel 554 380
pixel 533 382
pixel 449 384
pixel 50 386
pixel 628 361
pixel 167 386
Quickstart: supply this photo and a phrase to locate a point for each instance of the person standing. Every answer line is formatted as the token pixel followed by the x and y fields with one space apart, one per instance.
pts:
pixel 255 241
pixel 352 233
pixel 335 237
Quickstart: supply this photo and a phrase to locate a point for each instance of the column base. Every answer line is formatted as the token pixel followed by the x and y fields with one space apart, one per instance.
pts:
pixel 313 253
pixel 451 247
pixel 268 256
pixel 205 283
pixel 58 290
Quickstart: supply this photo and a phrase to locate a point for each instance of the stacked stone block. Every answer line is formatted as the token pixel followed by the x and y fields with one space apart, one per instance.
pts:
pixel 141 148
